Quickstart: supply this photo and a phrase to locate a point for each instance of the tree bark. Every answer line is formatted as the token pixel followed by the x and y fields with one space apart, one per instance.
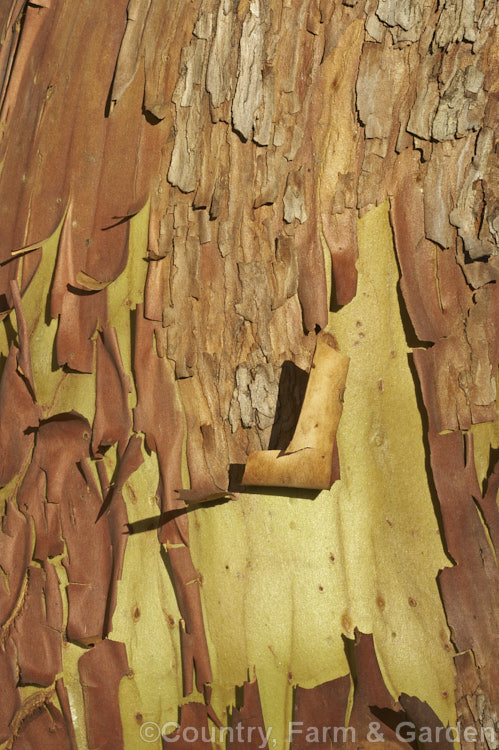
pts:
pixel 257 234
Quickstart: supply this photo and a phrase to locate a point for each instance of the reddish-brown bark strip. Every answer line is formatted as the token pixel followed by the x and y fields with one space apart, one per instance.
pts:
pixel 312 289
pixel 113 420
pixel 163 429
pixel 425 722
pixel 194 731
pixel 10 695
pixel 340 232
pixel 370 697
pixel 81 315
pixel 18 413
pixel 43 729
pixel 130 461
pixel 247 724
pixel 101 669
pixel 23 63
pixel 318 711
pixel 418 282
pixel 62 695
pixel 9 23
pixel 469 589
pixel 115 510
pixel 164 435
pixel 472 703
pixel 37 631
pixel 24 356
pixel 62 447
pixel 107 254
pixel 194 648
pixel 15 556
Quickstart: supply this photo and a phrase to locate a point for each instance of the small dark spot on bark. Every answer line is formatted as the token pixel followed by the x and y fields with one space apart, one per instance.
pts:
pixel 139 718
pixel 135 613
pixel 412 602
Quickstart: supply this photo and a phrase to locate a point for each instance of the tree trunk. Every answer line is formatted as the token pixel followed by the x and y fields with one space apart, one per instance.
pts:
pixel 261 234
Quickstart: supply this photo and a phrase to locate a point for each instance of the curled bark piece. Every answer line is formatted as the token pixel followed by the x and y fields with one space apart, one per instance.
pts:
pixel 101 670
pixel 204 495
pixel 308 460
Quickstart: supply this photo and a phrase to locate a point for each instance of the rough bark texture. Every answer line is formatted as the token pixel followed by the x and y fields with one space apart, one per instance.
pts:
pixel 255 133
